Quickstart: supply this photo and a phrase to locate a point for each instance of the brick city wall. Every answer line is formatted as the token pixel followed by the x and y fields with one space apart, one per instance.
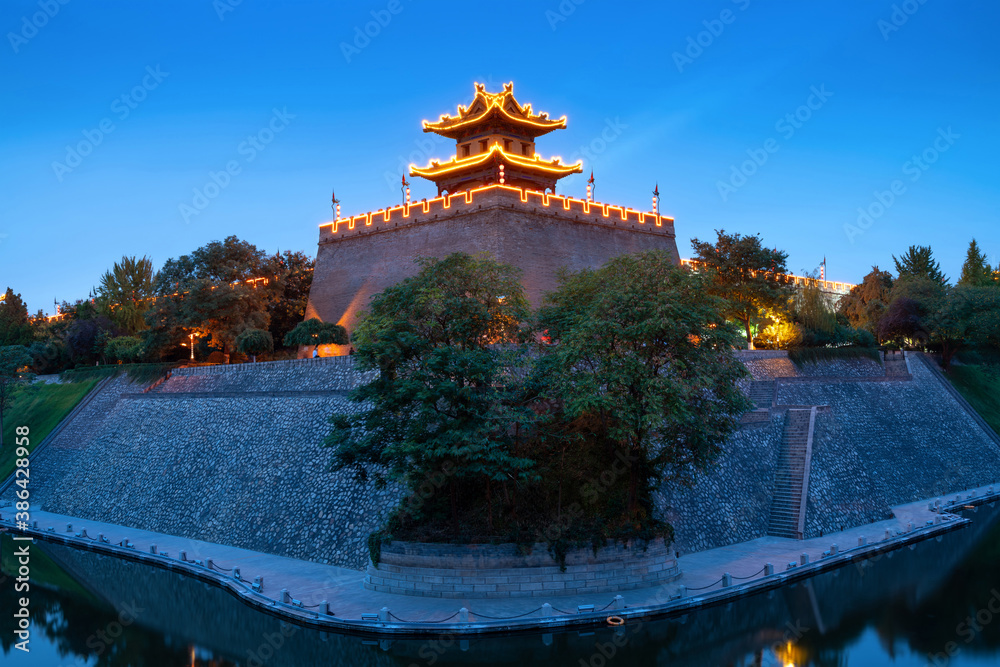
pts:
pixel 353 265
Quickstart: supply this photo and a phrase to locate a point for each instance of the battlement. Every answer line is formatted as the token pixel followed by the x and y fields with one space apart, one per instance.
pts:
pixel 496 196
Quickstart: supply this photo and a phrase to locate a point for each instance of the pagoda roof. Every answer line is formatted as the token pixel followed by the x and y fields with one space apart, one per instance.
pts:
pixel 553 167
pixel 486 107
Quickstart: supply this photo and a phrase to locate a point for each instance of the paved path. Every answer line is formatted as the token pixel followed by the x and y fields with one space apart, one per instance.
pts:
pixel 311 583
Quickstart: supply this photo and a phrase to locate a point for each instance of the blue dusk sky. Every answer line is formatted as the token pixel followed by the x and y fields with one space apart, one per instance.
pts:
pixel 849 129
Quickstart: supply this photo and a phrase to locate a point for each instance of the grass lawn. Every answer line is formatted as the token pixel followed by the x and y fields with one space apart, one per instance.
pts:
pixel 40 407
pixel 980 385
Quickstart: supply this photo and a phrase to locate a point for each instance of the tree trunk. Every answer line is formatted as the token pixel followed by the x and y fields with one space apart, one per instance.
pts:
pixel 454 509
pixel 746 324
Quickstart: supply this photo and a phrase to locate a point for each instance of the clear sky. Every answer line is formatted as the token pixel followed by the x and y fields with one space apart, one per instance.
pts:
pixel 116 115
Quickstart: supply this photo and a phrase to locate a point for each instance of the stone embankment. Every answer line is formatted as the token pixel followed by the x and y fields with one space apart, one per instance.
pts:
pixel 233 454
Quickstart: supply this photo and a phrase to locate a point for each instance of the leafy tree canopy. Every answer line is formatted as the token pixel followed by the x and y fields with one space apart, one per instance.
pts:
pixel 866 303
pixel 125 293
pixel 315 332
pixel 642 354
pixel 252 342
pixel 15 328
pixel 750 277
pixel 444 392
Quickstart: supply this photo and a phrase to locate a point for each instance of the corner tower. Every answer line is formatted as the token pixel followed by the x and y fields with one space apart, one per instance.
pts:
pixel 497 195
pixel 495 144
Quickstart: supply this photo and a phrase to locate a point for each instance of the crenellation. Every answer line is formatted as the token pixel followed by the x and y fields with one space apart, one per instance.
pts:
pixel 494 196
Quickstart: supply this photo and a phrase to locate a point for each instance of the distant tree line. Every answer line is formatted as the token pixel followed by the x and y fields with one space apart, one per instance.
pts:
pixel 230 299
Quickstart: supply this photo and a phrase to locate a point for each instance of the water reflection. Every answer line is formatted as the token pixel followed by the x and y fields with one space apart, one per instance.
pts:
pixel 914 607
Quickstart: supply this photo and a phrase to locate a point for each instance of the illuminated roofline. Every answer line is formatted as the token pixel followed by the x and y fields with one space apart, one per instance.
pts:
pixel 455 164
pixel 493 101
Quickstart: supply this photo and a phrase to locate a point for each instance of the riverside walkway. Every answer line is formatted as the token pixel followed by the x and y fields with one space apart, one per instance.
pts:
pixel 332 597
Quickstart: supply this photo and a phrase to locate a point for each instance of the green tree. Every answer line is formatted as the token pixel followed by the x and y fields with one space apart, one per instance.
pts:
pixel 750 277
pixel 641 351
pixel 220 289
pixel 12 359
pixel 124 348
pixel 919 262
pixel 316 332
pixel 443 343
pixel 15 328
pixel 914 301
pixel 126 292
pixel 868 302
pixel 976 271
pixel 294 272
pixel 252 342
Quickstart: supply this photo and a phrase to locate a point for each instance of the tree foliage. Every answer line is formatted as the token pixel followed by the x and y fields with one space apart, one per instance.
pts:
pixel 218 290
pixel 866 303
pixel 252 342
pixel 294 271
pixel 444 391
pixel 642 356
pixel 315 332
pixel 15 328
pixel 919 262
pixel 125 293
pixel 124 348
pixel 563 441
pixel 976 271
pixel 750 277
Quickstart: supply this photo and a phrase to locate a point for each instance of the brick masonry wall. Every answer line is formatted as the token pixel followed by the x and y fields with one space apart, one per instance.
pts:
pixel 352 268
pixel 489 571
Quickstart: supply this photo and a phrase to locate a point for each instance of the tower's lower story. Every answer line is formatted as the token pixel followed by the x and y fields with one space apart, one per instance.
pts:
pixel 360 256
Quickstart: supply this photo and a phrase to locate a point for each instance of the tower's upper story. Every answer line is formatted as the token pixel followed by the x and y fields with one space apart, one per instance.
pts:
pixel 495 143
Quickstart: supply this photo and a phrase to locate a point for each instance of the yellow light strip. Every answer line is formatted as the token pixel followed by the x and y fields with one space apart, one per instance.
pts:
pixel 545 199
pixel 456 164
pixel 494 101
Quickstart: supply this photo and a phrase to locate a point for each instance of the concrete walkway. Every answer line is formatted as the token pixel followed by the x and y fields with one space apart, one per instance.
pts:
pixel 350 604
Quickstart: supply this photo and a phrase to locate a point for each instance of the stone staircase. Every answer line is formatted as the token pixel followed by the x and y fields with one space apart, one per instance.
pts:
pixel 793 469
pixel 762 393
pixel 895 364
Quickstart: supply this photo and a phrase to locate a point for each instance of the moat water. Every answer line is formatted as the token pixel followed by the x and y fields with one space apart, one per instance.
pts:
pixel 933 603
